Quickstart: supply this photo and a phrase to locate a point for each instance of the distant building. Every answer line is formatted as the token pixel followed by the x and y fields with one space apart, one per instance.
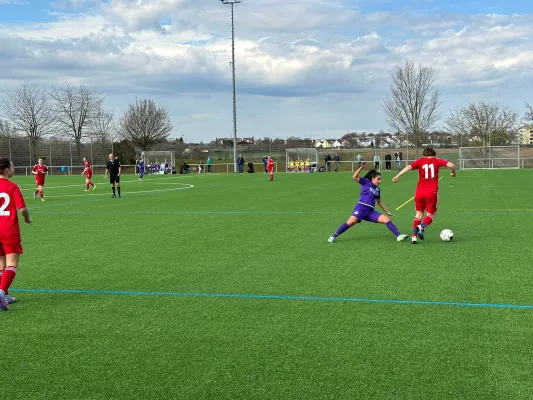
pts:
pixel 526 135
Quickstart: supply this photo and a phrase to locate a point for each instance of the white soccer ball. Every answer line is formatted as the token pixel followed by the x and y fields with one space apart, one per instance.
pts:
pixel 446 235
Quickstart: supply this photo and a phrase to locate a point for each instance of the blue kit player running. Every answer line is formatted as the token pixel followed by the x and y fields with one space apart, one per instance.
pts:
pixel 364 209
pixel 141 169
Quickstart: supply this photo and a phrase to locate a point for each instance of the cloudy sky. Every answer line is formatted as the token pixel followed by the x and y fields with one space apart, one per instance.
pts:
pixel 308 68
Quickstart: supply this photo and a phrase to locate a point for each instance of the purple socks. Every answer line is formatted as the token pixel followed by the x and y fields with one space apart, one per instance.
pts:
pixel 343 228
pixel 393 228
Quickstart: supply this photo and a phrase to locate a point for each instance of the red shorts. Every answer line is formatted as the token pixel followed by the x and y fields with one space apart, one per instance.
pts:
pixel 89 174
pixel 10 248
pixel 39 182
pixel 270 169
pixel 426 201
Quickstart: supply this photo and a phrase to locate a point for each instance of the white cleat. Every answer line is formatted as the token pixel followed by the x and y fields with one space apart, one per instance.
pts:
pixel 42 199
pixel 331 239
pixel 9 299
pixel 34 196
pixel 401 238
pixel 413 240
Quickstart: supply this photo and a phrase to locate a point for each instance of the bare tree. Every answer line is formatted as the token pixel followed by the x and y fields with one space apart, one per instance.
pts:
pixel 414 100
pixel 483 124
pixel 7 130
pixel 529 113
pixel 103 127
pixel 28 108
pixel 145 124
pixel 75 108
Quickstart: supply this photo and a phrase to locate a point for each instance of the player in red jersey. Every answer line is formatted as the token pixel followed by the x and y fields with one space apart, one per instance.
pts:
pixel 427 189
pixel 270 167
pixel 40 172
pixel 88 172
pixel 11 201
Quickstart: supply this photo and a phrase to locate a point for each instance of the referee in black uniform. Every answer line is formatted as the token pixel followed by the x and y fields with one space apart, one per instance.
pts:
pixel 113 167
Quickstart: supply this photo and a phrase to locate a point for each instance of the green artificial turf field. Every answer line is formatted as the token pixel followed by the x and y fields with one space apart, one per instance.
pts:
pixel 224 287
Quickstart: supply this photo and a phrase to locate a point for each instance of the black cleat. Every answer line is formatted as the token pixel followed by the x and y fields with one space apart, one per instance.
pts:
pixel 113 196
pixel 420 232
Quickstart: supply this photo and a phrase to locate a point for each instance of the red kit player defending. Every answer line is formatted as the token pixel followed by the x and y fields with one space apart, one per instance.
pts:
pixel 270 167
pixel 11 201
pixel 40 172
pixel 88 172
pixel 427 189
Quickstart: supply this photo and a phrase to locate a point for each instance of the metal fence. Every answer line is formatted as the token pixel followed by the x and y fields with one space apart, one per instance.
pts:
pixel 63 156
pixel 56 152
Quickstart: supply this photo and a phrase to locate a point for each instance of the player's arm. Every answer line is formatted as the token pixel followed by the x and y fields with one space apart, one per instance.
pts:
pixel 358 171
pixel 383 207
pixel 119 168
pixel 34 171
pixel 452 167
pixel 403 171
pixel 84 171
pixel 106 169
pixel 26 214
pixel 21 205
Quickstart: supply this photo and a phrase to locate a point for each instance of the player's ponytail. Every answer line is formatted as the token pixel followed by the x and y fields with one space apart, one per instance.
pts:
pixel 372 174
pixel 5 163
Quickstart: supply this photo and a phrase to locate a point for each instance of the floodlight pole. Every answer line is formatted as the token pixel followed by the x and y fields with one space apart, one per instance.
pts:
pixel 232 2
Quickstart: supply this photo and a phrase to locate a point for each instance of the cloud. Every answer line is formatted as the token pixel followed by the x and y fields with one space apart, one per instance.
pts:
pixel 285 50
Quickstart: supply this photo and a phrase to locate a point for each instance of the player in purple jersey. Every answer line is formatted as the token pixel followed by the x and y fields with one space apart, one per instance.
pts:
pixel 141 169
pixel 364 209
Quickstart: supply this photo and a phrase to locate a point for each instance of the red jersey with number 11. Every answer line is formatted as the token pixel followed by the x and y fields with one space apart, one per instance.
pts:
pixel 11 200
pixel 428 173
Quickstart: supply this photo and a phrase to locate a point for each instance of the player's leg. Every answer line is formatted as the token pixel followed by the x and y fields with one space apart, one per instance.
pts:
pixel 431 210
pixel 420 206
pixel 344 227
pixel 118 185
pixel 87 184
pixel 8 273
pixel 8 299
pixel 112 182
pixel 379 218
pixel 41 195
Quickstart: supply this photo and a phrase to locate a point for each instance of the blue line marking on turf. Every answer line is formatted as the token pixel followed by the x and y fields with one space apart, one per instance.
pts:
pixel 275 297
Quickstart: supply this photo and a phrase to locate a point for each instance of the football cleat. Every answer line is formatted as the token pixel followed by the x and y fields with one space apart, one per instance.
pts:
pixel 420 232
pixel 331 239
pixel 3 303
pixel 34 196
pixel 9 299
pixel 94 187
pixel 401 237
pixel 413 240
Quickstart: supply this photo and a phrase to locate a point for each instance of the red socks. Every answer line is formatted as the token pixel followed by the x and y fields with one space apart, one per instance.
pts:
pixel 41 194
pixel 7 278
pixel 427 221
pixel 416 222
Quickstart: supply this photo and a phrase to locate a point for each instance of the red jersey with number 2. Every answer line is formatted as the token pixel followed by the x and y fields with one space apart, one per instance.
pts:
pixel 428 173
pixel 11 200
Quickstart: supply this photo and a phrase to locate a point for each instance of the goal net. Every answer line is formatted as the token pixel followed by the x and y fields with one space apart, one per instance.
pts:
pixel 157 162
pixel 301 160
pixel 489 157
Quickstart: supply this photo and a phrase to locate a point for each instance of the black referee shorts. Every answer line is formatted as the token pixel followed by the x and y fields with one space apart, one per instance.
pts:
pixel 114 179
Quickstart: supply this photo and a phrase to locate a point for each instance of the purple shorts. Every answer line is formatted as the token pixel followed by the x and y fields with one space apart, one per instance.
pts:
pixel 364 213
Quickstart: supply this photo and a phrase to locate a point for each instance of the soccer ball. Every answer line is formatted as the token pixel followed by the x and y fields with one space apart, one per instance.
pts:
pixel 446 235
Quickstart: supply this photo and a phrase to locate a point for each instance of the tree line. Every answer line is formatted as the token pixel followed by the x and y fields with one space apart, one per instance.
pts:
pixel 413 108
pixel 78 112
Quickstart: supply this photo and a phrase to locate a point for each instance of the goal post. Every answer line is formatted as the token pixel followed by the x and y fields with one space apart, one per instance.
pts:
pixel 489 157
pixel 306 157
pixel 154 159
